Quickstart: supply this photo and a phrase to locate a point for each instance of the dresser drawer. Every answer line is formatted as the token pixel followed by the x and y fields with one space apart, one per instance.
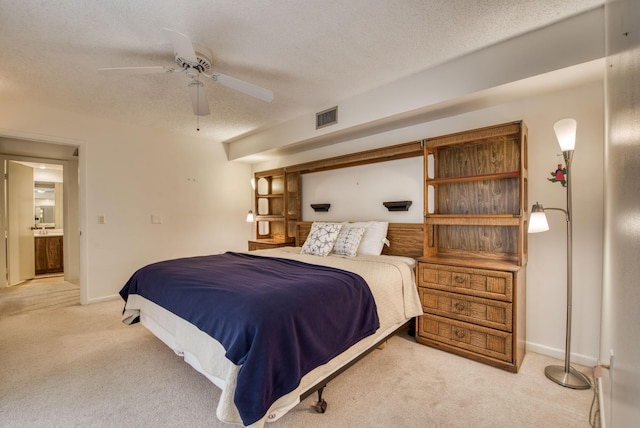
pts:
pixel 489 284
pixel 480 340
pixel 485 312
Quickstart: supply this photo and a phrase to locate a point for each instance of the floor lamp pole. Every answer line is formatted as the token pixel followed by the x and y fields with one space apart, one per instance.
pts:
pixel 568 376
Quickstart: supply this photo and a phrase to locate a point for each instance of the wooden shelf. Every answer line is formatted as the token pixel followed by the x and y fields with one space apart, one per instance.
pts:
pixel 472 262
pixel 474 178
pixel 271 195
pixel 277 204
pixel 474 219
pixel 476 192
pixel 268 217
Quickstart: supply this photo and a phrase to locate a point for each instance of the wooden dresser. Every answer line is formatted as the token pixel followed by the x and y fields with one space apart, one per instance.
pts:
pixel 471 279
pixel 475 312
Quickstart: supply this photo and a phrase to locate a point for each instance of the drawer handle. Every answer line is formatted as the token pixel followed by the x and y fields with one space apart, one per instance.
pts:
pixel 459 279
pixel 459 333
pixel 459 306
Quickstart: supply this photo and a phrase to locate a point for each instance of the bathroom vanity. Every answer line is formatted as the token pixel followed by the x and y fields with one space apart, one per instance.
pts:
pixel 48 254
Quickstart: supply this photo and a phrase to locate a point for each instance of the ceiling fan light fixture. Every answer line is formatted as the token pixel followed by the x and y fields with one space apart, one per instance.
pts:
pixel 198 98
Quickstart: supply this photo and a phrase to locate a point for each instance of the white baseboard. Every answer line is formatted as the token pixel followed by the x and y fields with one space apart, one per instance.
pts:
pixel 104 299
pixel 583 360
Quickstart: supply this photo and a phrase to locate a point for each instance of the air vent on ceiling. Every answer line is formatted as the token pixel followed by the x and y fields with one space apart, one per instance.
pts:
pixel 327 117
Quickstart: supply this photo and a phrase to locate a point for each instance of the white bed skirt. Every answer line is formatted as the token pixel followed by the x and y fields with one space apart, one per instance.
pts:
pixel 206 355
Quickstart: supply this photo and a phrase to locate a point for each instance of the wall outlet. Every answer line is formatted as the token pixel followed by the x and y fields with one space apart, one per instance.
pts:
pixel 101 219
pixel 156 219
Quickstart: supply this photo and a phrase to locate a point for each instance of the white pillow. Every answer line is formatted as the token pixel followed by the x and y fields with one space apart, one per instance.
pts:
pixel 321 239
pixel 348 241
pixel 374 238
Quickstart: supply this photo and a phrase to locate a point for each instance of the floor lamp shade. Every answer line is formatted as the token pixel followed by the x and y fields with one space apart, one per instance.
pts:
pixel 538 219
pixel 565 130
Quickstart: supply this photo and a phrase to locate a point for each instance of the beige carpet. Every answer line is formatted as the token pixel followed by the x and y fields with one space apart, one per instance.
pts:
pixel 41 294
pixel 79 366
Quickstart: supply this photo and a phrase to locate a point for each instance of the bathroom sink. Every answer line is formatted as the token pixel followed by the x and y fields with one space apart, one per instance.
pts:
pixel 48 232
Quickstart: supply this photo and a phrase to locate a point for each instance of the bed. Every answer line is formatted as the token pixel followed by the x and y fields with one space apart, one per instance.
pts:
pixel 267 354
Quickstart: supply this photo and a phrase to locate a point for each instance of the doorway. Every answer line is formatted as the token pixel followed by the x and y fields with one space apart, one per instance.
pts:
pixel 39 218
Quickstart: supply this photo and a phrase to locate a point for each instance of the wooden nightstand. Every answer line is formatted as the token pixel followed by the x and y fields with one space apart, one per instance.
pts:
pixel 475 311
pixel 266 244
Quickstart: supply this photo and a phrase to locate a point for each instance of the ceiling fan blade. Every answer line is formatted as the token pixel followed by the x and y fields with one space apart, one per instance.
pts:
pixel 137 70
pixel 182 46
pixel 242 86
pixel 198 98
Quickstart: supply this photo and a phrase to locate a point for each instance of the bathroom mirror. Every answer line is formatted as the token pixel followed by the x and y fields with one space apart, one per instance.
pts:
pixel 44 199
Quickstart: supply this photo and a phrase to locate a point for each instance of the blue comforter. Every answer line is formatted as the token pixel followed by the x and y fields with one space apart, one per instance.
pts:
pixel 277 318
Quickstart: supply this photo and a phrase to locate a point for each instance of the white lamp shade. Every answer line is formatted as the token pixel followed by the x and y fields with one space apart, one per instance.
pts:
pixel 538 222
pixel 250 217
pixel 565 130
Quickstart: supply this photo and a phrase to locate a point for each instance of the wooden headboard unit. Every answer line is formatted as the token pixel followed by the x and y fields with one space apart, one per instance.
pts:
pixel 406 238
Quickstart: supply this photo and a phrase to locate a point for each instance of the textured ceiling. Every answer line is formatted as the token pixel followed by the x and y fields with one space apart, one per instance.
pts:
pixel 311 54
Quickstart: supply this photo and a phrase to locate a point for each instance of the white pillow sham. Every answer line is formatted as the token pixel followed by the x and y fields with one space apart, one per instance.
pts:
pixel 374 238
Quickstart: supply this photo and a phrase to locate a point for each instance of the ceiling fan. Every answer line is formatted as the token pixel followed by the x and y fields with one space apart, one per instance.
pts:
pixel 195 61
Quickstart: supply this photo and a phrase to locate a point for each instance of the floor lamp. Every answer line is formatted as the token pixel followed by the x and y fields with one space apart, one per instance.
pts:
pixel 566 375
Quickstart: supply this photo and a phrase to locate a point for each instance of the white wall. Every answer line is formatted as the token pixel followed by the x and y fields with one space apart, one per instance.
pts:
pixel 621 296
pixel 546 274
pixel 128 173
pixel 363 189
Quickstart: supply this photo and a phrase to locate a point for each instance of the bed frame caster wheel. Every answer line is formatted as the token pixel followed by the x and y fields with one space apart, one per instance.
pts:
pixel 321 406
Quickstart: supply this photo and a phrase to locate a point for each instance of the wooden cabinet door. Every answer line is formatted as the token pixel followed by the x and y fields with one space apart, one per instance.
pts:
pixel 40 251
pixel 54 253
pixel 48 254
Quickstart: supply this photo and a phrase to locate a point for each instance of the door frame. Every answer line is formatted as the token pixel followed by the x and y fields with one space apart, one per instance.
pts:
pixel 71 241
